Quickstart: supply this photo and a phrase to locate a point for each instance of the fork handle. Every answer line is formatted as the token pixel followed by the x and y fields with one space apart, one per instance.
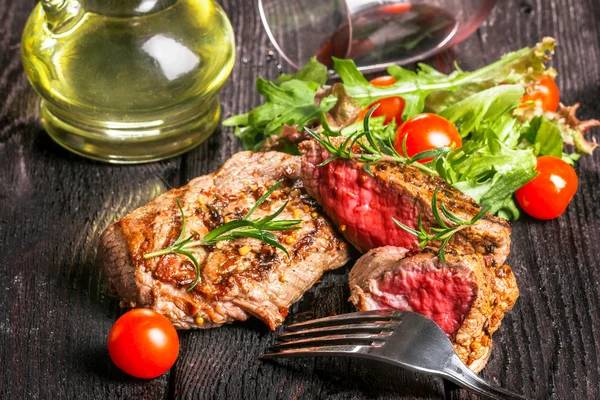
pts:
pixel 458 373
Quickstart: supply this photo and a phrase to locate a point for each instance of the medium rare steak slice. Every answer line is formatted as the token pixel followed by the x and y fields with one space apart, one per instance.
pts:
pixel 238 278
pixel 463 296
pixel 363 206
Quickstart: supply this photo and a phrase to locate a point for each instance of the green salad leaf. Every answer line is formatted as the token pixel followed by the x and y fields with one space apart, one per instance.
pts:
pixel 289 101
pixel 501 137
pixel 521 67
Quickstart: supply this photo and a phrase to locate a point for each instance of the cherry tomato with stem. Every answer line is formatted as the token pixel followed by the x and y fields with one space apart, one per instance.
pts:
pixel 390 107
pixel 548 194
pixel 426 132
pixel 143 343
pixel 545 94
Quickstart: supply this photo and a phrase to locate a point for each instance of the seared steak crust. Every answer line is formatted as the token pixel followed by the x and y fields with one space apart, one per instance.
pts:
pixel 376 279
pixel 235 282
pixel 365 205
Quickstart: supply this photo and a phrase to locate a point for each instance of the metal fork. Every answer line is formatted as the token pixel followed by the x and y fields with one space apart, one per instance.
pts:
pixel 402 338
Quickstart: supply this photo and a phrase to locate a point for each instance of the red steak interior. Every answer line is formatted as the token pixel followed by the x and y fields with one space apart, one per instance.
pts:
pixel 443 295
pixel 363 207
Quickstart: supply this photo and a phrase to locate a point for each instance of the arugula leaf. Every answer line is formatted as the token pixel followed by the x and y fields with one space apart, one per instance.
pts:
pixel 313 71
pixel 292 102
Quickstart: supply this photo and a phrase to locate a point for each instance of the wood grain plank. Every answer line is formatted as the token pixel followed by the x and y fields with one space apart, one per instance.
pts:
pixel 548 345
pixel 56 310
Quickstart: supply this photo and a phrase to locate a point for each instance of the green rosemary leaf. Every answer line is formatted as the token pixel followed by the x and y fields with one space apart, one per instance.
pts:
pixel 435 210
pixel 453 217
pixel 368 133
pixel 404 151
pixel 442 251
pixel 283 225
pixel 406 228
pixel 184 242
pixel 268 238
pixel 330 159
pixel 367 169
pixel 433 153
pixel 271 217
pixel 420 226
pixel 347 141
pixel 213 236
pixel 262 199
pixel 480 215
pixel 444 232
pixel 196 265
pixel 183 223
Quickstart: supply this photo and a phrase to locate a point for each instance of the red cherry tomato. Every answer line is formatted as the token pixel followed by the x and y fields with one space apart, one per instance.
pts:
pixel 143 343
pixel 426 132
pixel 385 80
pixel 548 194
pixel 391 107
pixel 545 94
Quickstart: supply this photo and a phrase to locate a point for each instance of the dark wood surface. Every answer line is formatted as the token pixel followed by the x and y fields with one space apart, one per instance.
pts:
pixel 55 310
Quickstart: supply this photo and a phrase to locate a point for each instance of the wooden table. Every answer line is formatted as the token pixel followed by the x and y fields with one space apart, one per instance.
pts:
pixel 55 309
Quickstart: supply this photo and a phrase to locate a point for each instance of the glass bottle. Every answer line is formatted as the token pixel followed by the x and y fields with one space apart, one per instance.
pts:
pixel 128 81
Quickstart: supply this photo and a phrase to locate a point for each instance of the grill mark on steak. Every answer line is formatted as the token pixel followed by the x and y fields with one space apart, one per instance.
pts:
pixel 366 205
pixel 387 272
pixel 232 286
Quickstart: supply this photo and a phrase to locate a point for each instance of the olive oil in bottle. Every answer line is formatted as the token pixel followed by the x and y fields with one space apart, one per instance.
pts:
pixel 128 81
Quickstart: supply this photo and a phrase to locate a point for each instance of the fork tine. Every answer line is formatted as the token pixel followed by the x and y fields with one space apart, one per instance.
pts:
pixel 372 339
pixel 344 319
pixel 318 351
pixel 341 329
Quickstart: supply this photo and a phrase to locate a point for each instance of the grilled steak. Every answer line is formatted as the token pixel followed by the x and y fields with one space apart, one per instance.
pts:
pixel 363 206
pixel 235 282
pixel 463 296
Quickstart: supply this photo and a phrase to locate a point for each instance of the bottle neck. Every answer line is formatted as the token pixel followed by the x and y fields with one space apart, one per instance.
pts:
pixel 126 8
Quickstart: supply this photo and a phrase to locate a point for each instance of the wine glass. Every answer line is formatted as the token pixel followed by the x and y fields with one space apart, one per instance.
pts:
pixel 374 33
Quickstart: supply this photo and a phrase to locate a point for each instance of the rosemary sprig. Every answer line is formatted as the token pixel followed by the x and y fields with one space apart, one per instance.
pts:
pixel 260 229
pixel 445 231
pixel 374 150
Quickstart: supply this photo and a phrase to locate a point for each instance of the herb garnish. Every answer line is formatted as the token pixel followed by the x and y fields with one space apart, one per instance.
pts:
pixel 445 231
pixel 374 149
pixel 260 229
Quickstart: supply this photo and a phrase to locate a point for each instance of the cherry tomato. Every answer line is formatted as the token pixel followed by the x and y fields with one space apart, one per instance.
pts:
pixel 143 343
pixel 391 107
pixel 426 132
pixel 545 94
pixel 548 194
pixel 385 80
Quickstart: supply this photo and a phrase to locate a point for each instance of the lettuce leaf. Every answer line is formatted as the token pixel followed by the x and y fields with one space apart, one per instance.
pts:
pixel 520 67
pixel 500 138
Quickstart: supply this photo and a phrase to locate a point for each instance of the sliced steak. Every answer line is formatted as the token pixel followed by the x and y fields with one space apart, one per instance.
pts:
pixel 463 296
pixel 363 206
pixel 234 282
